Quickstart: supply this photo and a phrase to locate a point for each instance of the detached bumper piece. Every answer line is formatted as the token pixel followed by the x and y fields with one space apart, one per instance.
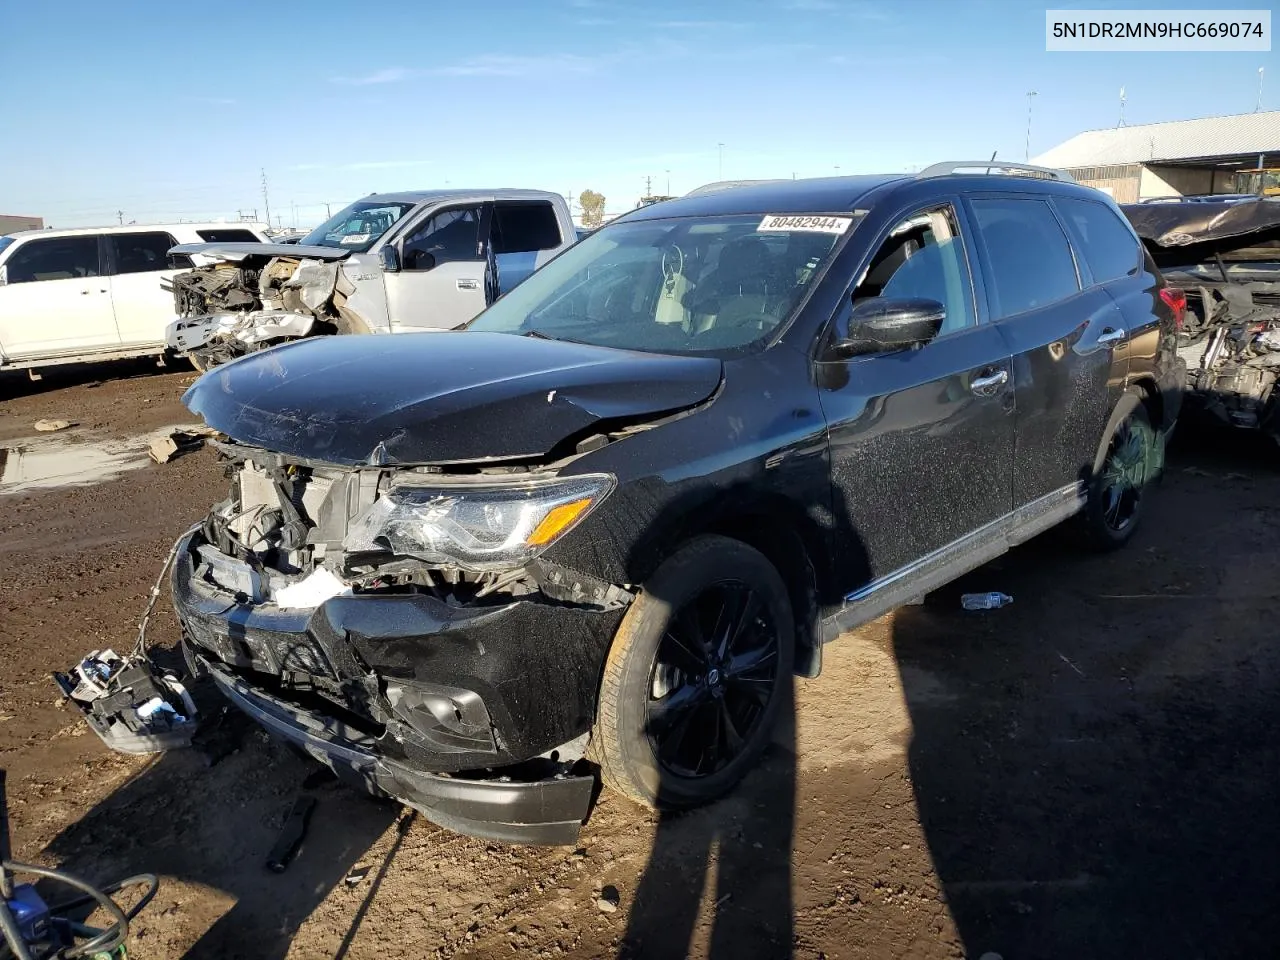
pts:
pixel 547 812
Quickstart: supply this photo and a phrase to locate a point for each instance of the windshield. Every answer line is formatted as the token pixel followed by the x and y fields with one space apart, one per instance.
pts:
pixel 673 286
pixel 358 227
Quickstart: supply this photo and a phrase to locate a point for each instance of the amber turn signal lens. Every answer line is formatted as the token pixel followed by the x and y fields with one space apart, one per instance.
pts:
pixel 555 522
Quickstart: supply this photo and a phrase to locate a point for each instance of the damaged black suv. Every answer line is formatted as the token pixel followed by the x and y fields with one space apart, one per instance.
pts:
pixel 594 535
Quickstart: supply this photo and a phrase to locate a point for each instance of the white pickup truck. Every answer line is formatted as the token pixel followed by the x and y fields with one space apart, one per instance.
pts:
pixel 389 263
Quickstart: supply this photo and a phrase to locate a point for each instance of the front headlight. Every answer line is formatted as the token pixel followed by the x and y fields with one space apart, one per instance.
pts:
pixel 496 526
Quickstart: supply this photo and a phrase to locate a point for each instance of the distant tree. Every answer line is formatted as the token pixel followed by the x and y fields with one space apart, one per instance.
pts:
pixel 592 204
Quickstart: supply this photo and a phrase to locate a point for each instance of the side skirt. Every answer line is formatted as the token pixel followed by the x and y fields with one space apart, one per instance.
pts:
pixel 949 562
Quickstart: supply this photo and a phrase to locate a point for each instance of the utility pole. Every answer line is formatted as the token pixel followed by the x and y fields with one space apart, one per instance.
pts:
pixel 265 201
pixel 1259 104
pixel 293 208
pixel 1026 157
pixel 120 216
pixel 668 183
pixel 327 214
pixel 721 148
pixel 1121 123
pixel 648 186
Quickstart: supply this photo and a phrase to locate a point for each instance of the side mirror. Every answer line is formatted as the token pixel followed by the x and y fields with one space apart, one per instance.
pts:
pixel 390 259
pixel 879 324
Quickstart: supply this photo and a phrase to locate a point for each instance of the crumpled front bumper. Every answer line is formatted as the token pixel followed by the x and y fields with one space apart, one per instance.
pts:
pixel 444 701
pixel 543 812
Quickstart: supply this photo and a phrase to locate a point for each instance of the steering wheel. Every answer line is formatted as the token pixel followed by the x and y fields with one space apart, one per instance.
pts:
pixel 672 265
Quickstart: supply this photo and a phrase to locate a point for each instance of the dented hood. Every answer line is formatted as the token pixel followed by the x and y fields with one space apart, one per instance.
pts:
pixel 1185 224
pixel 424 398
pixel 236 252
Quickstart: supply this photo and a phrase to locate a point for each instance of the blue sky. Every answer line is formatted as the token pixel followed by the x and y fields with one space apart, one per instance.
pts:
pixel 168 111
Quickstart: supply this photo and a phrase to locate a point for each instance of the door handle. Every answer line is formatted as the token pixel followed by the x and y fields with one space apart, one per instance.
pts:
pixel 1111 335
pixel 988 385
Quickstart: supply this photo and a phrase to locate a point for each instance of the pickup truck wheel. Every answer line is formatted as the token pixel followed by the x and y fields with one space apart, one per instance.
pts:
pixel 198 363
pixel 1129 466
pixel 695 677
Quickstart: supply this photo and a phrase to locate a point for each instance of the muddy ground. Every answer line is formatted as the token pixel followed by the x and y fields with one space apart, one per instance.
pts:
pixel 1089 773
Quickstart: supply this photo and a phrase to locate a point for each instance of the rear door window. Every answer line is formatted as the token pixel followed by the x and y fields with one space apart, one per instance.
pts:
pixel 54 258
pixel 145 252
pixel 1028 257
pixel 524 227
pixel 1107 245
pixel 227 235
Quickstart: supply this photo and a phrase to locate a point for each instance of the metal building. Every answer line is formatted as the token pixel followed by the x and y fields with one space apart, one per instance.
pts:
pixel 12 223
pixel 1176 158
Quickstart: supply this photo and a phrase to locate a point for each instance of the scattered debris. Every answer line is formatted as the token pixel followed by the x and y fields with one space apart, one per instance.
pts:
pixel 131 707
pixel 292 832
pixel 985 601
pixel 51 426
pixel 608 900
pixel 356 875
pixel 173 442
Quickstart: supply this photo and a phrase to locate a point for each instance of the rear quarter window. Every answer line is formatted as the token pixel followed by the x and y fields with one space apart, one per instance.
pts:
pixel 1107 244
pixel 1028 257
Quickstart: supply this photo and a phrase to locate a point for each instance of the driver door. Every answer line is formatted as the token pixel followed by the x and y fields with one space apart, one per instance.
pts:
pixel 921 440
pixel 441 281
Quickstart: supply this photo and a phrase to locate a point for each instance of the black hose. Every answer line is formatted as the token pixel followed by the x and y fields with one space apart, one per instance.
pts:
pixel 110 938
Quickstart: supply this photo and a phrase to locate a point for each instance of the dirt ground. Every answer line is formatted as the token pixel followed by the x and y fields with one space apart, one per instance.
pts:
pixel 1088 773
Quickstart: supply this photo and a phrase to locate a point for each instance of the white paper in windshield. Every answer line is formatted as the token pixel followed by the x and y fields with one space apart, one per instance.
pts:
pixel 803 224
pixel 354 238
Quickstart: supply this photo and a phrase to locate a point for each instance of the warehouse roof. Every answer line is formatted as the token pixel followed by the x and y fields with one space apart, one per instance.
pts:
pixel 1242 134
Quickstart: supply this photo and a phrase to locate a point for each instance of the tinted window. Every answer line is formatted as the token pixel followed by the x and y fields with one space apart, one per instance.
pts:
pixel 57 258
pixel 1031 264
pixel 146 253
pixel 523 227
pixel 924 258
pixel 448 236
pixel 227 235
pixel 6 242
pixel 1107 245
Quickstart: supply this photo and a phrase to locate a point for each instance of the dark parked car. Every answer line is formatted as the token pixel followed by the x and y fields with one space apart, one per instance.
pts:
pixel 596 533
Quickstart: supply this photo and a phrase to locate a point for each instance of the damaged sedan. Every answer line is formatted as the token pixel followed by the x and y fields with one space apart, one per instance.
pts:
pixel 591 538
pixel 1225 254
pixel 390 263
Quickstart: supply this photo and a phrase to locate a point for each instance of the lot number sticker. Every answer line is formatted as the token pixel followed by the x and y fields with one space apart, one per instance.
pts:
pixel 794 224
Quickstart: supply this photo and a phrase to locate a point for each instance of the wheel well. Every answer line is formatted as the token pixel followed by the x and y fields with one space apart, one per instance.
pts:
pixel 1153 401
pixel 784 547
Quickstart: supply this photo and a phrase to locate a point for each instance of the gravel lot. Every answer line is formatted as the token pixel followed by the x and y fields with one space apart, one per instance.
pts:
pixel 1088 773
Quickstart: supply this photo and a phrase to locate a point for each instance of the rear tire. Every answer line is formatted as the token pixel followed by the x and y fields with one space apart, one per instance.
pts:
pixel 1120 485
pixel 695 677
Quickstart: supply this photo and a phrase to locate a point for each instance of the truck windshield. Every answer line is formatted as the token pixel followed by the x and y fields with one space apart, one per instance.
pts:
pixel 358 227
pixel 679 285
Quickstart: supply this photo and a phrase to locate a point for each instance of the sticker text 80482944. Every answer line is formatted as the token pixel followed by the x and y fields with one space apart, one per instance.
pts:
pixel 804 224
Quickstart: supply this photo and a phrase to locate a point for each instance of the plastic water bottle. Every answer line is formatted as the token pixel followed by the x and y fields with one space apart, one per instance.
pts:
pixel 985 601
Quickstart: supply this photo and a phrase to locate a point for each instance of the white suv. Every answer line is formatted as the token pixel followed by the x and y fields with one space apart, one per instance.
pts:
pixel 95 293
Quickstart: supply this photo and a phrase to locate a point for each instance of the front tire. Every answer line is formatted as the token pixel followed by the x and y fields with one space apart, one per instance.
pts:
pixel 696 676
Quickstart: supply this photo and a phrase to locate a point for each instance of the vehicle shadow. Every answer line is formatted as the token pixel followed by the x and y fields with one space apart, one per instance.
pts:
pixel 193 824
pixel 1095 766
pixel 722 875
pixel 19 384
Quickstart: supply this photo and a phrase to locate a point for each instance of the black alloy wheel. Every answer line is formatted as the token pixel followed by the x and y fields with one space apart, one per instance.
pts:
pixel 712 679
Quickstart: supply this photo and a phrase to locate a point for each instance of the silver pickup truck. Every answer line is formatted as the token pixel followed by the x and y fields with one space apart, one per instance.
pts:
pixel 389 263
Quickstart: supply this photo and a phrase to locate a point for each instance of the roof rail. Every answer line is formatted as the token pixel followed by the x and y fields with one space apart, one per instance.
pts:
pixel 994 166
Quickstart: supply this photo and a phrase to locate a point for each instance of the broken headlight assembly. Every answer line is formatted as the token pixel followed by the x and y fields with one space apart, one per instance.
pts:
pixel 474 526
